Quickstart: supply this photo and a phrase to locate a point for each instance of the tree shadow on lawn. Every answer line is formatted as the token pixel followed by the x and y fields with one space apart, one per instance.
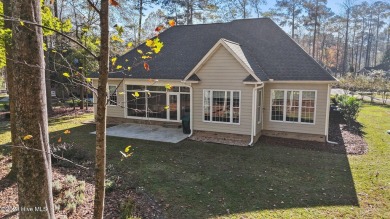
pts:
pixel 4 126
pixel 198 180
pixel 7 180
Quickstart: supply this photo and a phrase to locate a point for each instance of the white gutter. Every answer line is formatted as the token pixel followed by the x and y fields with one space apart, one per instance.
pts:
pixel 253 129
pixel 327 118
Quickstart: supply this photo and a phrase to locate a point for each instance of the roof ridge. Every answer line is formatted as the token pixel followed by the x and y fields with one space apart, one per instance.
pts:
pixel 229 41
pixel 229 22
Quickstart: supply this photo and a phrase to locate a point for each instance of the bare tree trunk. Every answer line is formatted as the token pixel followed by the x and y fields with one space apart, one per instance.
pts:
pixel 388 38
pixel 100 161
pixel 353 47
pixel 376 41
pixel 361 44
pixel 315 30
pixel 293 22
pixel 322 47
pixel 337 51
pixel 11 92
pixel 30 116
pixel 356 58
pixel 368 50
pixel 82 97
pixel 140 21
pixel 346 45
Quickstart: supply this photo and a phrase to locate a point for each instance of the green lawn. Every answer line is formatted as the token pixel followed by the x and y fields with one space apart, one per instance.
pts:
pixel 202 180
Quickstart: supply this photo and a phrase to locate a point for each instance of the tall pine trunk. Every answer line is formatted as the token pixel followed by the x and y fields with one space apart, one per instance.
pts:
pixel 141 7
pixel 369 39
pixel 34 174
pixel 345 58
pixel 315 30
pixel 100 161
pixel 361 43
pixel 353 48
pixel 293 22
pixel 376 39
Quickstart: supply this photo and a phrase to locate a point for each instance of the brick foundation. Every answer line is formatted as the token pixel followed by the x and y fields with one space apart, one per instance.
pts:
pixel 292 135
pixel 221 138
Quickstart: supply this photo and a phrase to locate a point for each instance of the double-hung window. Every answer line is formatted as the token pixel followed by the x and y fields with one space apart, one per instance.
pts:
pixel 297 106
pixel 112 92
pixel 221 106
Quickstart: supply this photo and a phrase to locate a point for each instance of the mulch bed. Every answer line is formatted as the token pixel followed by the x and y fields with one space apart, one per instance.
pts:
pixel 63 111
pixel 144 206
pixel 349 139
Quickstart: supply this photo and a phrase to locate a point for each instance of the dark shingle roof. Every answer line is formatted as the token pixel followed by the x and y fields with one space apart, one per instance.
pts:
pixel 263 45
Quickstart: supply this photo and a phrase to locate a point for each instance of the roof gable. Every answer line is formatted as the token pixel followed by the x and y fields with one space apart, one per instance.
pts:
pixel 234 49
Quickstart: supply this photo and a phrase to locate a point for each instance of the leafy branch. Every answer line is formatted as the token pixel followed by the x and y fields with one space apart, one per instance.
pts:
pixel 22 23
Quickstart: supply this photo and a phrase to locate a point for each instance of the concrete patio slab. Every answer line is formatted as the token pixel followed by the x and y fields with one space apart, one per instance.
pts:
pixel 147 132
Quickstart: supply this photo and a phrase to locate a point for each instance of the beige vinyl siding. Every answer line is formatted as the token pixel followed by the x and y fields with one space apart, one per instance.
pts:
pixel 112 111
pixel 222 72
pixel 320 110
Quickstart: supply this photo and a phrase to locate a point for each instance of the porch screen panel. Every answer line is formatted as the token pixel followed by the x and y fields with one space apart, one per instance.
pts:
pixel 156 104
pixel 277 105
pixel 136 106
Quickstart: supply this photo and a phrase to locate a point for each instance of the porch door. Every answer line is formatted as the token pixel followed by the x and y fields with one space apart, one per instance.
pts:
pixel 173 103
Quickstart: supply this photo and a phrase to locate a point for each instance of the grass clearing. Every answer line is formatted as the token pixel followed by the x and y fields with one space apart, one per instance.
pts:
pixel 204 180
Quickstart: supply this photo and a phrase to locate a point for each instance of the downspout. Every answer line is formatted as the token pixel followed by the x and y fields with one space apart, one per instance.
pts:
pixel 191 111
pixel 327 118
pixel 254 112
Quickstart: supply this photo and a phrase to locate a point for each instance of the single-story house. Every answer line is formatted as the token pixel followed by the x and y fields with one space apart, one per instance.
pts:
pixel 384 67
pixel 237 80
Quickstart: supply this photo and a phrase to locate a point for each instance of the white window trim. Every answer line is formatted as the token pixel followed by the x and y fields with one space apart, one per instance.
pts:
pixel 116 94
pixel 300 106
pixel 231 106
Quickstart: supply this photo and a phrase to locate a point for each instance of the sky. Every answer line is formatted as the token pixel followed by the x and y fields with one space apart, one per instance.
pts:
pixel 335 5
